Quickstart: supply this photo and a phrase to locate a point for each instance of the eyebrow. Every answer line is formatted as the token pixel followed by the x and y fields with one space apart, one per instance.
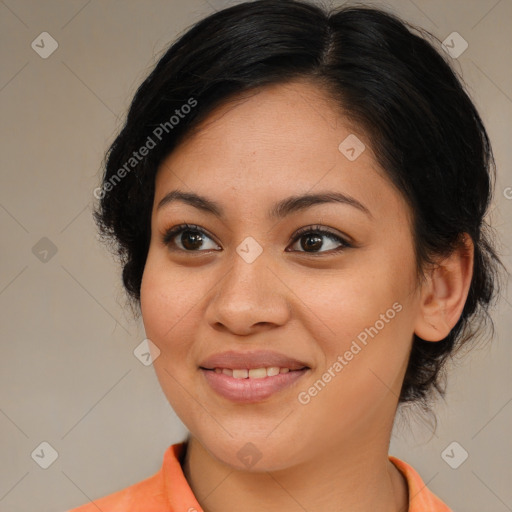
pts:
pixel 280 210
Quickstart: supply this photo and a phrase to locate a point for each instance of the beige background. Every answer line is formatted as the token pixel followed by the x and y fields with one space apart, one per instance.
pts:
pixel 68 375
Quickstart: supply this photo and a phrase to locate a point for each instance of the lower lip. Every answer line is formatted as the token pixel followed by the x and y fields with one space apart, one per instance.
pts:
pixel 250 390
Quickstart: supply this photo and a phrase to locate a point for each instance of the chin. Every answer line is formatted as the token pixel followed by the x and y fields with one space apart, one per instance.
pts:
pixel 255 453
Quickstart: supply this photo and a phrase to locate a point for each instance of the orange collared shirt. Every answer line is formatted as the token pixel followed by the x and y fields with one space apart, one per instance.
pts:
pixel 168 491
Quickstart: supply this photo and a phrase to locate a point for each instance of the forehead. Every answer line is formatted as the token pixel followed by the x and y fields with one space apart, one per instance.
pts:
pixel 265 122
pixel 277 141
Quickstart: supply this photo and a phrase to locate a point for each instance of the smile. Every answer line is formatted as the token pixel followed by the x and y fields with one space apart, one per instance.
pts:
pixel 250 386
pixel 253 373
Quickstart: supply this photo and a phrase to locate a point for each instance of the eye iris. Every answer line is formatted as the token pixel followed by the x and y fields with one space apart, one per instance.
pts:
pixel 316 244
pixel 191 239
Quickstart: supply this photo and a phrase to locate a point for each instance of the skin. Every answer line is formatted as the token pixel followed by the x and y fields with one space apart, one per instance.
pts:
pixel 331 453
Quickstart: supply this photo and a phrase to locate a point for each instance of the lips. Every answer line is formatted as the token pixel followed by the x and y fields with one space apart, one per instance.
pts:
pixel 248 360
pixel 251 376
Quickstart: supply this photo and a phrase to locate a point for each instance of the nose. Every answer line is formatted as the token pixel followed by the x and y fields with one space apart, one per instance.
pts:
pixel 249 298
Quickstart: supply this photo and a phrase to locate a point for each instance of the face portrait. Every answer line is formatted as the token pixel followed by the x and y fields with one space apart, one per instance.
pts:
pixel 328 283
pixel 274 272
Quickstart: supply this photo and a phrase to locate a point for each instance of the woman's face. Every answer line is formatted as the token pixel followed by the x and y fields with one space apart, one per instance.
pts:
pixel 344 306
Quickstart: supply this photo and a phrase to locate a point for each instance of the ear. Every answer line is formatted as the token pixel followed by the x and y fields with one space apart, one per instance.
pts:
pixel 444 293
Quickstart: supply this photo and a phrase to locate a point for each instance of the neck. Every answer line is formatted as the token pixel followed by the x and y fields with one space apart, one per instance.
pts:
pixel 360 477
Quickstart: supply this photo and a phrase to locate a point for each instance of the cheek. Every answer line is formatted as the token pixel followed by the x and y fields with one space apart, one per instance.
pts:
pixel 167 304
pixel 365 317
pixel 345 303
pixel 171 313
pixel 362 373
pixel 166 299
pixel 164 317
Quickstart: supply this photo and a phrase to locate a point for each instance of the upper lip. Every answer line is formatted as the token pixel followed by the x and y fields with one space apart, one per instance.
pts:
pixel 249 360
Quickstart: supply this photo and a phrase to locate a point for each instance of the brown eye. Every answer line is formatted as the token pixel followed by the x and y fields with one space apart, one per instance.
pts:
pixel 187 238
pixel 313 239
pixel 191 238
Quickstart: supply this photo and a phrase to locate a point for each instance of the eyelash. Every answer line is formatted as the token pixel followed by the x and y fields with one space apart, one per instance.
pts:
pixel 171 233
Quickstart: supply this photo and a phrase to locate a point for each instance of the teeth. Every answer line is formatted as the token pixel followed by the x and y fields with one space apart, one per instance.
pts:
pixel 253 373
pixel 257 373
pixel 240 374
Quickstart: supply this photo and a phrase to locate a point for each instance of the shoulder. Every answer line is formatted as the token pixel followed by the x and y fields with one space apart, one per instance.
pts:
pixel 421 498
pixel 148 491
pixel 158 493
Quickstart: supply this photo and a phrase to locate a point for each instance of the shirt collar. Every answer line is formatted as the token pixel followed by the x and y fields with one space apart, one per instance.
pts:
pixel 181 497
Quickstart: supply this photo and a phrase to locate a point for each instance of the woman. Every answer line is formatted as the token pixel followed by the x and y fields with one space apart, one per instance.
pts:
pixel 298 201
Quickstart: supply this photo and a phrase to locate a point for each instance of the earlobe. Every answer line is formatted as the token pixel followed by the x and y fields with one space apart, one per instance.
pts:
pixel 444 293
